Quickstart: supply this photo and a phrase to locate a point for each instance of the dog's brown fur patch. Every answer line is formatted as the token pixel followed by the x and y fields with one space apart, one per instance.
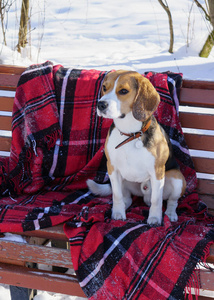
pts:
pixel 110 168
pixel 160 150
pixel 176 173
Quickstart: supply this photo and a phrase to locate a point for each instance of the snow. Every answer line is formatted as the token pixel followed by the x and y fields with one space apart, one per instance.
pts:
pixel 13 237
pixel 107 35
pixel 112 34
pixel 5 294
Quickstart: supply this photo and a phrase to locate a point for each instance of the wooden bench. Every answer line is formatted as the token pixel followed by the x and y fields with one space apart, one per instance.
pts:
pixel 14 255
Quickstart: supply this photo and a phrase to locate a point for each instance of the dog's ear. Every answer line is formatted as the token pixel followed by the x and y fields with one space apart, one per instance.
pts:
pixel 146 101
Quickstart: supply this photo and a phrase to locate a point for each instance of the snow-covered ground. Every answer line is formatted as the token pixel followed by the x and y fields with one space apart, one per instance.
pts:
pixel 5 295
pixel 113 34
pixel 107 35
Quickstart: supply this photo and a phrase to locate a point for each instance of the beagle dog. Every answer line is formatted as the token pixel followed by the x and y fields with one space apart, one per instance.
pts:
pixel 139 154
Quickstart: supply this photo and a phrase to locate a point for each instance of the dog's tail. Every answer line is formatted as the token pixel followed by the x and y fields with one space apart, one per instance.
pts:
pixel 99 189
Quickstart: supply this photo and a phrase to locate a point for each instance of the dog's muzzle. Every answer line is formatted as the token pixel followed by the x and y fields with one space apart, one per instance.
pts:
pixel 102 106
pixel 108 110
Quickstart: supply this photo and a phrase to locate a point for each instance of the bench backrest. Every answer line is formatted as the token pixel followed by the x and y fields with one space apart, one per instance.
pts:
pixel 9 76
pixel 196 115
pixel 197 120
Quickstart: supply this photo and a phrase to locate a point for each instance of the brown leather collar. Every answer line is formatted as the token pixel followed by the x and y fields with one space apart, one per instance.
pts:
pixel 133 136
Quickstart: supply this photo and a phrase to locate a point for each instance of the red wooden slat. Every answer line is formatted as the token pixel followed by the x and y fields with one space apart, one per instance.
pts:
pixel 199 121
pixel 207 280
pixel 203 165
pixel 8 82
pixel 206 186
pixel 197 97
pixel 6 103
pixel 35 253
pixel 200 142
pixel 40 280
pixel 5 143
pixel 198 84
pixel 12 69
pixel 5 123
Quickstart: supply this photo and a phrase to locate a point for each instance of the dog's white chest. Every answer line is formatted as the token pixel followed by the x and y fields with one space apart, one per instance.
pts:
pixel 132 160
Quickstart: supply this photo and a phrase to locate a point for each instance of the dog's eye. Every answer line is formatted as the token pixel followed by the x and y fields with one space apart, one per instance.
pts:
pixel 104 88
pixel 123 92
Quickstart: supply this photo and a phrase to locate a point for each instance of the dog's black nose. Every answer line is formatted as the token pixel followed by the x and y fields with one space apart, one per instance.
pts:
pixel 102 105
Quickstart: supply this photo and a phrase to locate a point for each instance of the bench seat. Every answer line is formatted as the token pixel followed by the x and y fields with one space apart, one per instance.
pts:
pixel 199 134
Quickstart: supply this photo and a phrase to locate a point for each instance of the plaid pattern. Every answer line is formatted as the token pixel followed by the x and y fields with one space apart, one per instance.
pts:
pixel 56 134
pixel 57 143
pixel 131 260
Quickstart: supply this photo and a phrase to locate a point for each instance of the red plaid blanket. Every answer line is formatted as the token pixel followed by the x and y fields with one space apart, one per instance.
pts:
pixel 57 143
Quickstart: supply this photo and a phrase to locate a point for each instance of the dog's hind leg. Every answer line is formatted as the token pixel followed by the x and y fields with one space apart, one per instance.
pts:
pixel 174 188
pixel 171 209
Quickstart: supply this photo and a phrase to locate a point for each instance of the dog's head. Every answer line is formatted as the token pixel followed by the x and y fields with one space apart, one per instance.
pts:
pixel 127 91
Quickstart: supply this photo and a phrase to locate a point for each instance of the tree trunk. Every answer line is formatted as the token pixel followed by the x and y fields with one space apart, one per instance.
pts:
pixel 166 8
pixel 211 11
pixel 2 24
pixel 205 52
pixel 23 25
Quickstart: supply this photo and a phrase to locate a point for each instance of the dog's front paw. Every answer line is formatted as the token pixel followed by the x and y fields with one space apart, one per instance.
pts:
pixel 154 221
pixel 172 215
pixel 118 215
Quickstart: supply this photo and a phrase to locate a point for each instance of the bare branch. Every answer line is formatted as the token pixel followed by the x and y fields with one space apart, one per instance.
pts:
pixel 211 11
pixel 203 9
pixel 166 8
pixel 4 8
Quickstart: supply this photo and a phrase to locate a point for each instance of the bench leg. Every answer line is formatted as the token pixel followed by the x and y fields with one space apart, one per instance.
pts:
pixel 21 293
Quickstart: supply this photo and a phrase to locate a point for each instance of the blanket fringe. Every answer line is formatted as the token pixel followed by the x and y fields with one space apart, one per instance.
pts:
pixel 193 283
pixel 195 280
pixel 203 262
pixel 52 138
